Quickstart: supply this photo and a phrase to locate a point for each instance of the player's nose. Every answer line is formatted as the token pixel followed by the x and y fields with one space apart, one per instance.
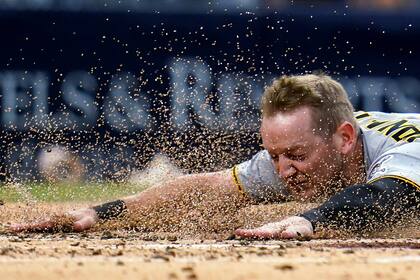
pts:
pixel 285 168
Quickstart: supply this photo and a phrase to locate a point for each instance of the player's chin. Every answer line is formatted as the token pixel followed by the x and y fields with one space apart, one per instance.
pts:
pixel 301 193
pixel 305 196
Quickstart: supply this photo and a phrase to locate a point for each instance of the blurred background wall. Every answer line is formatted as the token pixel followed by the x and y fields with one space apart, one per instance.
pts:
pixel 106 85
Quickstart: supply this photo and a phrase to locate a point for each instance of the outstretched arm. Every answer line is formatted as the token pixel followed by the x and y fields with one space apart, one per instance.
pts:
pixel 365 207
pixel 368 207
pixel 220 184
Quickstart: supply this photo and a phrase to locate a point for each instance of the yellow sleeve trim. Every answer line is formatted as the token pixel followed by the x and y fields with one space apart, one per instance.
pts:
pixel 236 180
pixel 408 181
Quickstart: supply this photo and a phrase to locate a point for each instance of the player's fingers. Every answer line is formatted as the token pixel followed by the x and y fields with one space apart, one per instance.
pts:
pixel 83 223
pixel 257 233
pixel 38 226
pixel 14 227
pixel 296 232
pixel 247 233
pixel 243 232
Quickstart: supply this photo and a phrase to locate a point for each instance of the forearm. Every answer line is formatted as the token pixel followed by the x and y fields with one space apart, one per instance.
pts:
pixel 220 184
pixel 367 207
pixel 217 185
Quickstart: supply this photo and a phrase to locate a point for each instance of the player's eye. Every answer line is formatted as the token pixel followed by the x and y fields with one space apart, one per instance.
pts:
pixel 299 157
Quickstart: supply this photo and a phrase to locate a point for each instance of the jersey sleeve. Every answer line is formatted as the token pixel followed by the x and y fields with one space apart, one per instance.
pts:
pixel 401 162
pixel 258 179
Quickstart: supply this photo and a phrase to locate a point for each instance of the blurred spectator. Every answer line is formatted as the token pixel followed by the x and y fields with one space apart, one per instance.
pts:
pixel 57 164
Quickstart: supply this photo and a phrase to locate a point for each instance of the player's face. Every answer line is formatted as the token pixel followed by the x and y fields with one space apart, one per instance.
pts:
pixel 307 162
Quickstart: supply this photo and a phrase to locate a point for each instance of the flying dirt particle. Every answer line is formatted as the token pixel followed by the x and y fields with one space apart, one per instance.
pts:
pixel 77 243
pixel 1 202
pixel 120 244
pixel 263 253
pixel 96 252
pixel 4 251
pixel 280 253
pixel 210 257
pixel 72 253
pixel 318 249
pixel 160 257
pixel 107 235
pixel 118 253
pixel 172 275
pixel 187 269
pixel 172 238
pixel 150 238
pixel 171 252
pixel 120 263
pixel 191 276
pixel 284 267
pixel 348 251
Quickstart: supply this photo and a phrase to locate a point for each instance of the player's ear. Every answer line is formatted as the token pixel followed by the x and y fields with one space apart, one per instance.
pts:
pixel 345 137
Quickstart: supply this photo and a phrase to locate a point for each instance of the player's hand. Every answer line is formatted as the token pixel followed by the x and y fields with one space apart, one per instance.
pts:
pixel 75 220
pixel 292 227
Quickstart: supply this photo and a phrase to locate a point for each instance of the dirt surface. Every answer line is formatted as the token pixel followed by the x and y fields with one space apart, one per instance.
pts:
pixel 166 251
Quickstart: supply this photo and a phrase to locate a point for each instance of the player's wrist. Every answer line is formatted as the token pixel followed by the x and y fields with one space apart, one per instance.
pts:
pixel 313 217
pixel 110 210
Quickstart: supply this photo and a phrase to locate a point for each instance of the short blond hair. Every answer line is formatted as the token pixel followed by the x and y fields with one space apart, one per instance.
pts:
pixel 329 100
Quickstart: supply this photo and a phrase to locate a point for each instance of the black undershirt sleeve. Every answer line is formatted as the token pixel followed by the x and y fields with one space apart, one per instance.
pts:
pixel 368 207
pixel 110 210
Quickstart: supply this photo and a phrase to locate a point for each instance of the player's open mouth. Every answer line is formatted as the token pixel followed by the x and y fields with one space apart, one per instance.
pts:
pixel 299 179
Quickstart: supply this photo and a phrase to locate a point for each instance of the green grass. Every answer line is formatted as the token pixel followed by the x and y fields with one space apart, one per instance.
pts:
pixel 65 192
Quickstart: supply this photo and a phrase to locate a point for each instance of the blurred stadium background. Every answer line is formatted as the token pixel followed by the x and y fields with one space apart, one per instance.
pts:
pixel 94 89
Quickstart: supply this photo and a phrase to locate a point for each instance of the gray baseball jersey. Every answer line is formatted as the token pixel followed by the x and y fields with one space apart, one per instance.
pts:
pixel 391 145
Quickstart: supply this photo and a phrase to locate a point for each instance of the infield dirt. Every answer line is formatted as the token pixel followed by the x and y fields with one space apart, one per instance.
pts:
pixel 190 250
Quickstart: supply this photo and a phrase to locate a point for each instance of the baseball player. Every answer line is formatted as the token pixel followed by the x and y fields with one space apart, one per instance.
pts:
pixel 363 166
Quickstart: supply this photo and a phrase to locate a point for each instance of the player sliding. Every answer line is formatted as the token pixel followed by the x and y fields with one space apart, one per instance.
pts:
pixel 364 165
